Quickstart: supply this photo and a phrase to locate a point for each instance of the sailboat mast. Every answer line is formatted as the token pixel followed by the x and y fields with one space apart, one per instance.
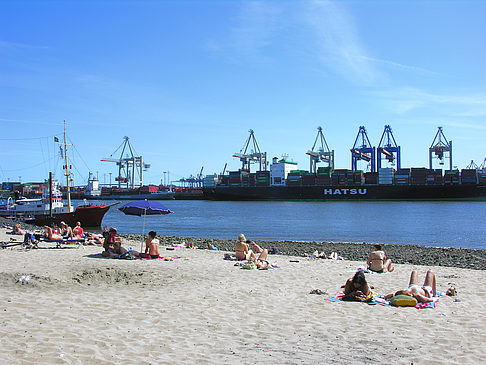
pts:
pixel 67 171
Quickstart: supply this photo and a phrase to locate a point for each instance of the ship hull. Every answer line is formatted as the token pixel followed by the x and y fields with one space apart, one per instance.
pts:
pixel 148 196
pixel 88 216
pixel 348 193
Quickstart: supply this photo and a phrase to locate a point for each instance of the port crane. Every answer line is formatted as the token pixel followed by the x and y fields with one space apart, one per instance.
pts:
pixel 130 167
pixel 362 150
pixel 439 147
pixel 472 165
pixel 254 155
pixel 388 149
pixel 483 165
pixel 323 153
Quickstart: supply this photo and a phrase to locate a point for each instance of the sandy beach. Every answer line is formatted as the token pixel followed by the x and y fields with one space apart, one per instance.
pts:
pixel 199 308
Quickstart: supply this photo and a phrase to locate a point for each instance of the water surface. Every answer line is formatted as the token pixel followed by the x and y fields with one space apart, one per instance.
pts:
pixel 442 224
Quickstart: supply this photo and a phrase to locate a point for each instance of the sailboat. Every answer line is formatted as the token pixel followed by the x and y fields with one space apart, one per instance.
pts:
pixel 50 208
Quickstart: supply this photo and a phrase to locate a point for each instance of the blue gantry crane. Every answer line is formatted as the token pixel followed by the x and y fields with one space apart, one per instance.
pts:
pixel 440 146
pixel 388 149
pixel 362 150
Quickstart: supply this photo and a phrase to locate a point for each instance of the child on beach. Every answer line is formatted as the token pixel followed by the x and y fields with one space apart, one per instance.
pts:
pixel 377 260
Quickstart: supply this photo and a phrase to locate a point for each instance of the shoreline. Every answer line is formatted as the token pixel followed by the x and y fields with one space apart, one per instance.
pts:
pixel 399 253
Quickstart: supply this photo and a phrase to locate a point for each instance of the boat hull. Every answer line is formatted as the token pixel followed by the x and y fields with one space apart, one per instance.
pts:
pixel 348 193
pixel 88 216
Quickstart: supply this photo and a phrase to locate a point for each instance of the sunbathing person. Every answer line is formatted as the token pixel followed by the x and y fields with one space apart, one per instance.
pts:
pixel 377 260
pixel 66 231
pixel 242 250
pixel 424 293
pixel 17 230
pixel 49 234
pixel 261 262
pixel 78 230
pixel 112 244
pixel 254 246
pixel 151 246
pixel 357 286
pixel 190 245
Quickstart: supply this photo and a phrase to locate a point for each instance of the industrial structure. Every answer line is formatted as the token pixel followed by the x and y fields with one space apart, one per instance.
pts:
pixel 130 167
pixel 321 154
pixel 253 155
pixel 439 148
pixel 363 150
pixel 388 149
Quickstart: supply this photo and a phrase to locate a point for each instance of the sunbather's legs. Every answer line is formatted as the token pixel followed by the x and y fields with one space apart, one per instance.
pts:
pixel 430 281
pixel 263 255
pixel 413 278
pixel 388 266
pixel 256 248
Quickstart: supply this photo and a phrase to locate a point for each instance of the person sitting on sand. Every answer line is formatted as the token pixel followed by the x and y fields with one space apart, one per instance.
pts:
pixel 424 293
pixel 261 262
pixel 357 286
pixel 377 260
pixel 66 231
pixel 151 246
pixel 17 230
pixel 254 246
pixel 78 230
pixel 190 245
pixel 242 250
pixel 49 234
pixel 112 244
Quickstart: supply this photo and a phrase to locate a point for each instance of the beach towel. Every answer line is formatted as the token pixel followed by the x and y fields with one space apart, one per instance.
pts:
pixel 378 299
pixel 164 258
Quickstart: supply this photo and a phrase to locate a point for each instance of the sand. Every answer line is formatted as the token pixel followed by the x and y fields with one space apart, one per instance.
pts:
pixel 202 309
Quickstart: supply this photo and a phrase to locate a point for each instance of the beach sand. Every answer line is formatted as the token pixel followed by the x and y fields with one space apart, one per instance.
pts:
pixel 203 309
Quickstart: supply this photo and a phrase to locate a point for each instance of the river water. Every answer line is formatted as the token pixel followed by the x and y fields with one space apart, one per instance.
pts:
pixel 438 224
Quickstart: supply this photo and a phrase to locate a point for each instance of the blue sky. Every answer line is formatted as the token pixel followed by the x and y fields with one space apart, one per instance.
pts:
pixel 186 80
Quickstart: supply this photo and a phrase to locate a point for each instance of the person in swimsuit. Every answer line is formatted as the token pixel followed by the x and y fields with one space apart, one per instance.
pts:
pixel 242 250
pixel 424 293
pixel 151 246
pixel 357 285
pixel 49 234
pixel 378 262
pixel 112 244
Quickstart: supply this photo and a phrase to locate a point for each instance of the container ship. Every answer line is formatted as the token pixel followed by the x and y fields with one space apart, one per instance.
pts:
pixel 284 181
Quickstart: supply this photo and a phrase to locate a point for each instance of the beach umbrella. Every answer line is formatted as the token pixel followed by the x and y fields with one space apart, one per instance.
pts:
pixel 144 208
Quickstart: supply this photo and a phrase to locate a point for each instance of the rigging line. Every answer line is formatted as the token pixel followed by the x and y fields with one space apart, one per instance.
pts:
pixel 43 157
pixel 81 157
pixel 27 168
pixel 28 139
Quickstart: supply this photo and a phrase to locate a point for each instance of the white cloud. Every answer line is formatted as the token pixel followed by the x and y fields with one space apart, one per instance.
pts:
pixel 403 100
pixel 338 43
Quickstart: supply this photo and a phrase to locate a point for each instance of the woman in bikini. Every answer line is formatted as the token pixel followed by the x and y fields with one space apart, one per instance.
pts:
pixel 424 293
pixel 378 262
pixel 242 250
pixel 357 285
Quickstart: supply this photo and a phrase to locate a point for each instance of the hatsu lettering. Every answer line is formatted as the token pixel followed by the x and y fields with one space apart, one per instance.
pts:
pixel 345 191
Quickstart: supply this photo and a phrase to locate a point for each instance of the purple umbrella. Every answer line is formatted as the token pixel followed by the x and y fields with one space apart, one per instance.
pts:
pixel 144 207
